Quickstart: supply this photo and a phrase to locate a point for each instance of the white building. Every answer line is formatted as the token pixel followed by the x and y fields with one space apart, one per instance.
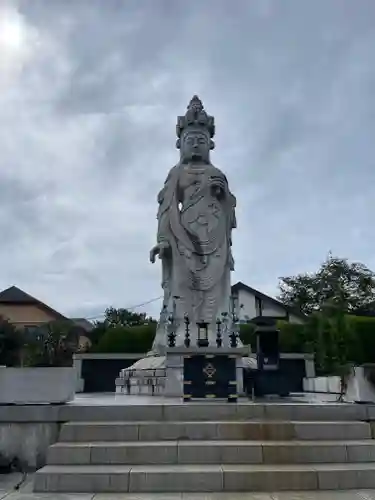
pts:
pixel 250 303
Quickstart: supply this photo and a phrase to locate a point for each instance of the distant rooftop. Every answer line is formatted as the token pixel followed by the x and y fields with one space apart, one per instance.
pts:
pixel 14 295
pixel 83 323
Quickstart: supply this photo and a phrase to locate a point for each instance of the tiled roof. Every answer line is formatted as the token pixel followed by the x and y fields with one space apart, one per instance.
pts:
pixel 14 295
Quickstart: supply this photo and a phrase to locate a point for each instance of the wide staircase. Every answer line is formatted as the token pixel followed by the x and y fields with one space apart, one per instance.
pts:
pixel 213 448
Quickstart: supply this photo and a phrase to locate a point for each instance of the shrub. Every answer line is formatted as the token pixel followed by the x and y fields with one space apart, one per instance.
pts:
pixel 133 339
pixel 340 338
pixel 247 335
pixel 11 342
pixel 293 337
pixel 53 344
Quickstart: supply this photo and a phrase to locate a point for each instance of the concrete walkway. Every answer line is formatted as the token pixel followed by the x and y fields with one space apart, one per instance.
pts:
pixel 7 492
pixel 112 399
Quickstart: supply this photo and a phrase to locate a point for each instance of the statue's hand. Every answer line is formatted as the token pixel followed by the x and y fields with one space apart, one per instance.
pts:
pixel 217 192
pixel 160 249
pixel 217 187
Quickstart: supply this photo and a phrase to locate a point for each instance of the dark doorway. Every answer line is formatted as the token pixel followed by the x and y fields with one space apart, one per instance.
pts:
pixel 99 375
pixel 286 379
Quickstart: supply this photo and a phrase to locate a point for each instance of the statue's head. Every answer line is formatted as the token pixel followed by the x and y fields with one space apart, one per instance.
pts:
pixel 195 145
pixel 195 131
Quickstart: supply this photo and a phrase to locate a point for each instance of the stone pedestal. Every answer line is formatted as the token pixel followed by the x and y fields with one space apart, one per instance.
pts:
pixel 164 375
pixel 174 362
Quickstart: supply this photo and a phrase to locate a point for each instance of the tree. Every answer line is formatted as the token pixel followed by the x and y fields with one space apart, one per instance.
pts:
pixel 334 339
pixel 124 317
pixel 351 286
pixel 53 344
pixel 115 318
pixel 99 330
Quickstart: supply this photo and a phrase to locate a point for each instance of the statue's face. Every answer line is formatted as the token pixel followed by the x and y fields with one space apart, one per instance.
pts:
pixel 195 146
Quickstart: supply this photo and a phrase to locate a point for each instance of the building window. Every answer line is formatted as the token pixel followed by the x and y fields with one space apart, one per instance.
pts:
pixel 258 307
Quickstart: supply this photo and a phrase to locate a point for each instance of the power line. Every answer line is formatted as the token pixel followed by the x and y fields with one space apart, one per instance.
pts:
pixel 131 308
pixel 144 303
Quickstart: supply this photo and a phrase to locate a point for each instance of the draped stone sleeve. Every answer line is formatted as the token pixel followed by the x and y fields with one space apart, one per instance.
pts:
pixel 165 199
pixel 231 206
pixel 231 203
pixel 233 215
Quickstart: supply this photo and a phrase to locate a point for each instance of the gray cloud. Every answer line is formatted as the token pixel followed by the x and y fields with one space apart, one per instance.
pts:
pixel 90 91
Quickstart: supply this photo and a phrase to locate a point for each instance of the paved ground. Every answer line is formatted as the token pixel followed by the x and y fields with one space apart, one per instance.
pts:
pixel 25 493
pixel 111 399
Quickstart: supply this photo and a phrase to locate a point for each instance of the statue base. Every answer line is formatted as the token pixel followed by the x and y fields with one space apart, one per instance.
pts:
pixel 146 376
pixel 163 375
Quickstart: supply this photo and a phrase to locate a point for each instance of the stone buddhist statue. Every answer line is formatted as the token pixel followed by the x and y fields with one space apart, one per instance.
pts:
pixel 195 220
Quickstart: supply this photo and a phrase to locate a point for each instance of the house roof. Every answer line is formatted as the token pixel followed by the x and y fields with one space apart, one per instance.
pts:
pixel 241 286
pixel 14 295
pixel 84 323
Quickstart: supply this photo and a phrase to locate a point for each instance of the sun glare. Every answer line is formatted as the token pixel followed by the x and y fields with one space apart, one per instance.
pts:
pixel 12 33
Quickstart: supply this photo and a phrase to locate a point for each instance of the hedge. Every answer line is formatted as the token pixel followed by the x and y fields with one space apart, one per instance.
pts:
pixel 292 336
pixel 138 339
pixel 359 342
pixel 134 339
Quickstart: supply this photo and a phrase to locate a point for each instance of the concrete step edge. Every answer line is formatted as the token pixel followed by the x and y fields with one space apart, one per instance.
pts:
pixel 187 468
pixel 216 443
pixel 115 423
pixel 203 478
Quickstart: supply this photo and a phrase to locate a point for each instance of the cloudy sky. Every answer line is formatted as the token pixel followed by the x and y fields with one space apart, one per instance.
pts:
pixel 89 94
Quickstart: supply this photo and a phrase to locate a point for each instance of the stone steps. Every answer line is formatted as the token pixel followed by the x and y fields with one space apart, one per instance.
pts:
pixel 221 454
pixel 211 452
pixel 214 430
pixel 204 478
pixel 213 410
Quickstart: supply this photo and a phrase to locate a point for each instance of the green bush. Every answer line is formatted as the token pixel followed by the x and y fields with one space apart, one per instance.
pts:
pixel 293 337
pixel 53 344
pixel 335 340
pixel 132 339
pixel 351 338
pixel 11 342
pixel 247 335
pixel 355 335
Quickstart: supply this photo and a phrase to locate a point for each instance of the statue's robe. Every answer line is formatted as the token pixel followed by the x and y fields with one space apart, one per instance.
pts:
pixel 197 225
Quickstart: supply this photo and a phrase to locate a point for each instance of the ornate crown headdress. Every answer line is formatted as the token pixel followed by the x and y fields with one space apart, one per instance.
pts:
pixel 195 117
